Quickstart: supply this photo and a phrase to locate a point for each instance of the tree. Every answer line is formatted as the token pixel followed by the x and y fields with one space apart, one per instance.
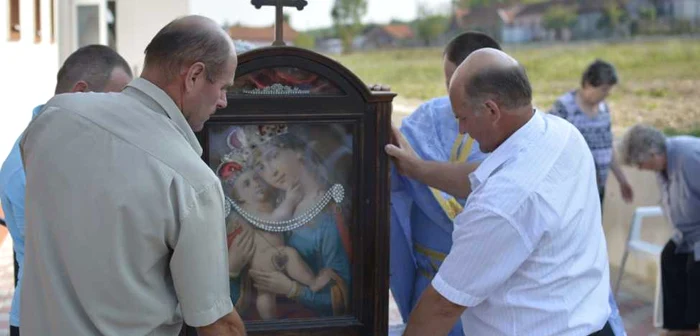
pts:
pixel 612 19
pixel 647 13
pixel 347 19
pixel 430 24
pixel 558 18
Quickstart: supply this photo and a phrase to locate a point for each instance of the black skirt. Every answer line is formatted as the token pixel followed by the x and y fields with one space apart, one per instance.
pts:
pixel 680 282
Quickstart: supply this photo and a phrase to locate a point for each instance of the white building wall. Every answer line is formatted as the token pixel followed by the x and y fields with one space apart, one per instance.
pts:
pixel 138 21
pixel 29 74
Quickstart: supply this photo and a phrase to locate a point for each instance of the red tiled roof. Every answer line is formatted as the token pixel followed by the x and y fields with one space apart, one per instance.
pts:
pixel 261 33
pixel 399 31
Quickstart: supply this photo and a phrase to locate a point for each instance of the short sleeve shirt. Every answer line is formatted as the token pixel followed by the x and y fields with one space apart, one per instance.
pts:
pixel 125 222
pixel 529 254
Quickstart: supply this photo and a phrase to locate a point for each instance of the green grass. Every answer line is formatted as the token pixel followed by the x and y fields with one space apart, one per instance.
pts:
pixel 657 78
pixel 673 131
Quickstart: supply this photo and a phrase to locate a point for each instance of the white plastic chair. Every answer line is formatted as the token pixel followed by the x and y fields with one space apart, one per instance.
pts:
pixel 636 244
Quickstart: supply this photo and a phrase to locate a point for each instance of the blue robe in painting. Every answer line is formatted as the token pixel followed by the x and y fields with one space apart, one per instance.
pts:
pixel 320 244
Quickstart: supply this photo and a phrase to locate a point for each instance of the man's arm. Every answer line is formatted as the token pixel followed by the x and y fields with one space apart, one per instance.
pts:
pixel 486 251
pixel 231 324
pixel 433 315
pixel 199 265
pixel 450 177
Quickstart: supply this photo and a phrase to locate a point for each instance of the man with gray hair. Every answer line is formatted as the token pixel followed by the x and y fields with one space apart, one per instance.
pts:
pixel 125 222
pixel 528 254
pixel 676 161
pixel 94 68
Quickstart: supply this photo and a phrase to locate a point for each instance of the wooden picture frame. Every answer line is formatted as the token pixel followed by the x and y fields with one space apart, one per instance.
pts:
pixel 287 93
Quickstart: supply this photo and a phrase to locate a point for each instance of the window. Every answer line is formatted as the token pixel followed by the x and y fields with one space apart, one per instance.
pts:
pixel 88 25
pixel 52 12
pixel 37 21
pixel 14 21
pixel 112 24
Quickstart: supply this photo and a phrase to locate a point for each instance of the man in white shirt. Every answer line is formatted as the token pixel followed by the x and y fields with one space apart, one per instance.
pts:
pixel 125 221
pixel 529 254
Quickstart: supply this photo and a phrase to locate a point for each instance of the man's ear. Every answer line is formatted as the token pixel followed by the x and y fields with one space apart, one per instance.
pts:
pixel 494 112
pixel 195 72
pixel 80 86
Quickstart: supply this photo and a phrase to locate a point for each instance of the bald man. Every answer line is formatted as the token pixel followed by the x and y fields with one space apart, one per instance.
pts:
pixel 528 254
pixel 95 68
pixel 125 222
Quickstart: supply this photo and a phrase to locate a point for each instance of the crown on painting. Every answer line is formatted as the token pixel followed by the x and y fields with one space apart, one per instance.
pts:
pixel 263 133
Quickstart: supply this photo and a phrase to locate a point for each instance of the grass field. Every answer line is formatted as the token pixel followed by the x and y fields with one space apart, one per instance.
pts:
pixel 660 81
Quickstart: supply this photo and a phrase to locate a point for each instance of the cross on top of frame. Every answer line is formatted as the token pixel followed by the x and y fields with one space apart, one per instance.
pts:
pixel 279 18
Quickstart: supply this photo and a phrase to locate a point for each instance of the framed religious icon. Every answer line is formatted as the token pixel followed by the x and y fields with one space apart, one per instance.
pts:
pixel 299 151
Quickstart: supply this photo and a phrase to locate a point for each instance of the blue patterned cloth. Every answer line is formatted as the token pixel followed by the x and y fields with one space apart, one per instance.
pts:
pixel 596 130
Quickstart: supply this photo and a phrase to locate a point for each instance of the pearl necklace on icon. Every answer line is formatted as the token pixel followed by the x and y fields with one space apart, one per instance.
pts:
pixel 336 193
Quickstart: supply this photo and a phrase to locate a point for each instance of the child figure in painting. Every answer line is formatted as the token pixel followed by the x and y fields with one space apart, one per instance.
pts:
pixel 254 197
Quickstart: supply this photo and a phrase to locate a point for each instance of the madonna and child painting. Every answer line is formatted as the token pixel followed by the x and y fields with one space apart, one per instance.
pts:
pixel 289 214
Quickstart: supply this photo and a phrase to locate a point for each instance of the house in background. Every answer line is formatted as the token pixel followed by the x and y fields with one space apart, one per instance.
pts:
pixel 682 10
pixel 331 46
pixel 262 36
pixel 486 19
pixel 526 23
pixel 388 36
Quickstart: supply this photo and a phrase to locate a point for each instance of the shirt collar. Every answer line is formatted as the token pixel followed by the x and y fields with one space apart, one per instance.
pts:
pixel 171 110
pixel 515 143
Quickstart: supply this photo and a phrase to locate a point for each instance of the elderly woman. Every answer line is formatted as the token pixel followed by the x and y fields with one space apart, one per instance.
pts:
pixel 676 161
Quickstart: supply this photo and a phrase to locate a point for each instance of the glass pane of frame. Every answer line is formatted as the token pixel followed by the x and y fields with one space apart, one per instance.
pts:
pixel 288 190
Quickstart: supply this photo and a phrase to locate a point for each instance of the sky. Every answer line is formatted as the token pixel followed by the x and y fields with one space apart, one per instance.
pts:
pixel 315 15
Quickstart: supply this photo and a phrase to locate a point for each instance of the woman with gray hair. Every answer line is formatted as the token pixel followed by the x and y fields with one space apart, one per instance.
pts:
pixel 676 161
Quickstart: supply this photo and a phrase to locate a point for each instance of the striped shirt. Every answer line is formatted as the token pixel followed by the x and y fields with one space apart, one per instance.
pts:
pixel 529 255
pixel 597 130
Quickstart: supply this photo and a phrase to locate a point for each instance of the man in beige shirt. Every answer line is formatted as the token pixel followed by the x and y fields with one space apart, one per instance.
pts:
pixel 125 222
